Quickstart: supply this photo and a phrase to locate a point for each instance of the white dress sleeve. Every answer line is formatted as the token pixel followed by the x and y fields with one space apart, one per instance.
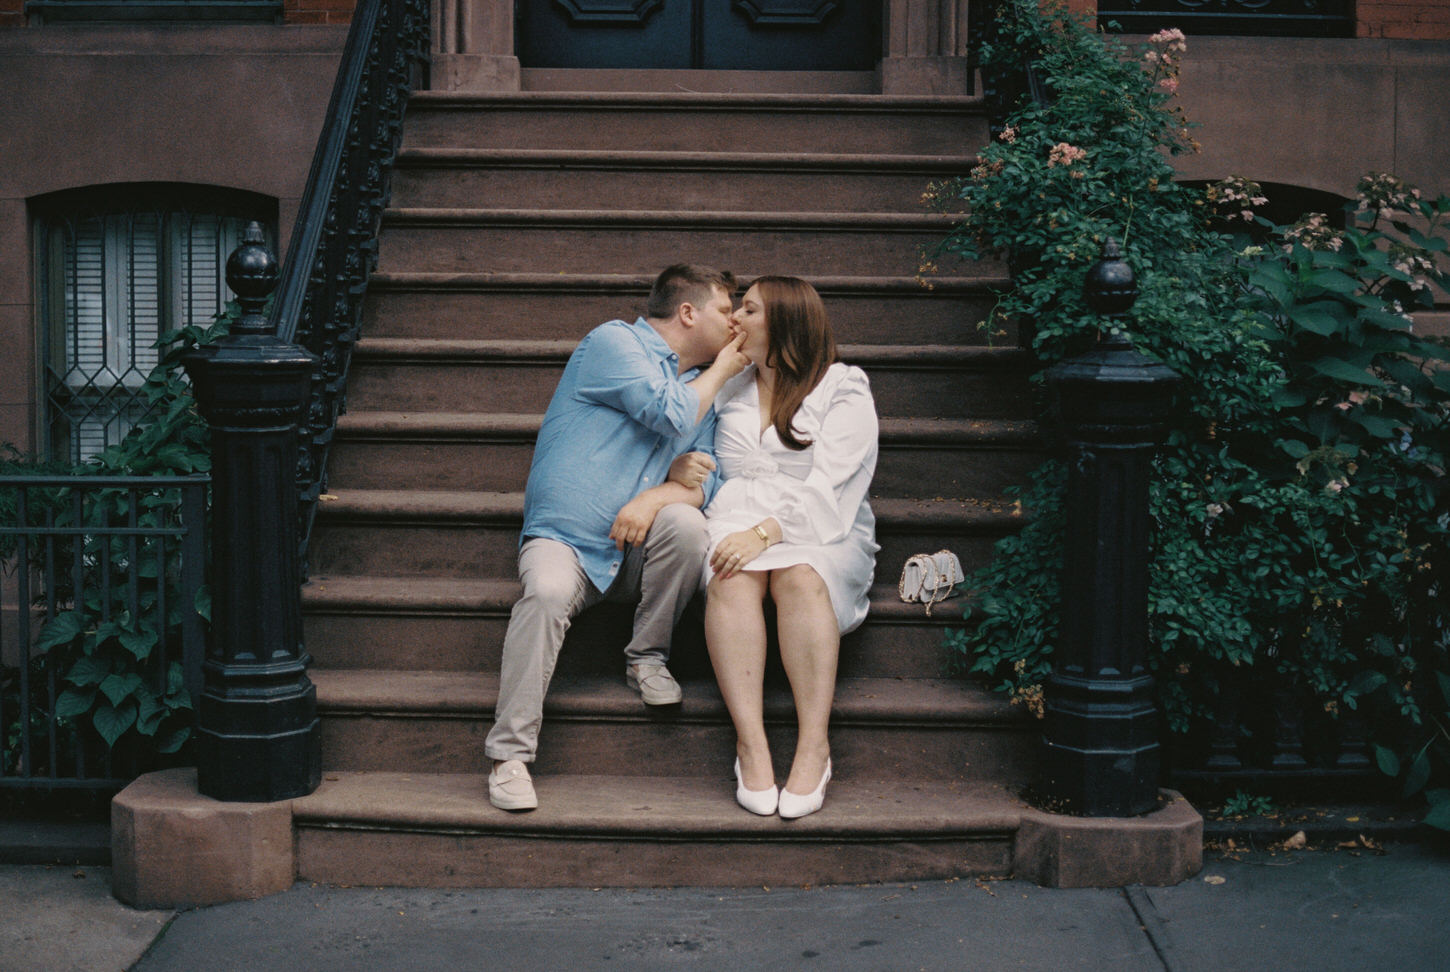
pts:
pixel 840 418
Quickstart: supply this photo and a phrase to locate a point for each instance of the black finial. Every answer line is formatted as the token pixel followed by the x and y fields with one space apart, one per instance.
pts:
pixel 1110 288
pixel 252 273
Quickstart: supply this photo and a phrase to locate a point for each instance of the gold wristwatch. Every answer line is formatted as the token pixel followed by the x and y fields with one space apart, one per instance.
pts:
pixel 760 532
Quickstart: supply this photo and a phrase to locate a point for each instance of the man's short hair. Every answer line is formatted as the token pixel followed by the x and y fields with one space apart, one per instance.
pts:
pixel 685 283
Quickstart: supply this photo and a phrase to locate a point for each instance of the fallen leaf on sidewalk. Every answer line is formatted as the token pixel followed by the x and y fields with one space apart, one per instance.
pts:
pixel 1298 842
pixel 1215 879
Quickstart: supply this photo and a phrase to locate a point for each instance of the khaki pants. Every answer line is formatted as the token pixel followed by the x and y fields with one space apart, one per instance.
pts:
pixel 662 574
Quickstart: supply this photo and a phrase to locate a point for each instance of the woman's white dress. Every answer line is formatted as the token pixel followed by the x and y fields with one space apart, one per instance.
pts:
pixel 817 495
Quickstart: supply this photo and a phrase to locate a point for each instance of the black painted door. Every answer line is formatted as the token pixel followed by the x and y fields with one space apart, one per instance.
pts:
pixel 758 35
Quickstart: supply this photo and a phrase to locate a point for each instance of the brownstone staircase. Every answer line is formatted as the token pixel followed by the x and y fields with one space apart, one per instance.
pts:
pixel 519 222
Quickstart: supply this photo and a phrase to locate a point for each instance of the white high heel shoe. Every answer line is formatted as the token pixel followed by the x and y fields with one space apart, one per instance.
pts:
pixel 762 802
pixel 793 805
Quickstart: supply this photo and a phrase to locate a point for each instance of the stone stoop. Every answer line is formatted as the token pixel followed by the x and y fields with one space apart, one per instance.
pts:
pixel 518 222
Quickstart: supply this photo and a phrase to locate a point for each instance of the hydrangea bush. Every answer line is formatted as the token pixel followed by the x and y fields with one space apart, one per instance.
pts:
pixel 1299 503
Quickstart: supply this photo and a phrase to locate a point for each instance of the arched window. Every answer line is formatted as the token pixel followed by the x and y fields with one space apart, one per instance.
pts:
pixel 119 267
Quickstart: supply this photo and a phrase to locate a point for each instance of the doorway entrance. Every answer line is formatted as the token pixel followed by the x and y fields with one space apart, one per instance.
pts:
pixel 745 35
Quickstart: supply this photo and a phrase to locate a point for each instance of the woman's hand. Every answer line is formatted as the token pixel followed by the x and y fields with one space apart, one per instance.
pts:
pixel 691 469
pixel 740 548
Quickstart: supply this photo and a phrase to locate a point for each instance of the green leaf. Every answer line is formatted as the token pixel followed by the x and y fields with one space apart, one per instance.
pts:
pixel 1418 775
pixel 60 630
pixel 150 711
pixel 118 688
pixel 1318 318
pixel 1439 815
pixel 1365 683
pixel 1335 281
pixel 171 741
pixel 1345 371
pixel 113 722
pixel 1387 761
pixel 1378 426
pixel 74 702
pixel 139 643
pixel 89 670
pixel 1295 448
pixel 1444 681
pixel 203 601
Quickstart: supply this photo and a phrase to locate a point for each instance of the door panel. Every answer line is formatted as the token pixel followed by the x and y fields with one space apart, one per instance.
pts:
pixel 604 33
pixel 792 35
pixel 760 35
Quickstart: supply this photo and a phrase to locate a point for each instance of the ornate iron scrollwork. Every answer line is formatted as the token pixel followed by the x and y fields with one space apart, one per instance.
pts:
pixel 800 13
pixel 623 12
pixel 334 243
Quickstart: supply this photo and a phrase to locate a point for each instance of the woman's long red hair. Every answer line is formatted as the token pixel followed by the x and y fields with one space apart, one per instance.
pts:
pixel 800 348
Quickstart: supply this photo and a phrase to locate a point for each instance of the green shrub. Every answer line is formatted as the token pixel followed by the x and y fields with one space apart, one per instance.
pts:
pixel 98 662
pixel 1299 502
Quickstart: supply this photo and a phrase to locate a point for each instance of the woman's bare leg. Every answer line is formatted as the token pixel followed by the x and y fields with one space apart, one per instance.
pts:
pixel 735 636
pixel 810 644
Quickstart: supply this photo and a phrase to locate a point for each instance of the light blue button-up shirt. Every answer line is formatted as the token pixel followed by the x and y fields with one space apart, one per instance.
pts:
pixel 620 416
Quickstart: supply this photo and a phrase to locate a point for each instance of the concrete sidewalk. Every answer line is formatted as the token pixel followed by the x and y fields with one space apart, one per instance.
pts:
pixel 1314 910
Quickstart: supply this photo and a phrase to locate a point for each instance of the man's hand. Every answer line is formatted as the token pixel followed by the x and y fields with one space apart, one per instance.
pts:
pixel 633 521
pixel 691 469
pixel 730 361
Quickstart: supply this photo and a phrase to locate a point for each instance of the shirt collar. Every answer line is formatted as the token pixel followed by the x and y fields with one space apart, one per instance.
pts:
pixel 659 345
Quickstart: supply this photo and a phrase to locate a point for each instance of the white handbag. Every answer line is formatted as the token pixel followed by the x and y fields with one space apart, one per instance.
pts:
pixel 930 578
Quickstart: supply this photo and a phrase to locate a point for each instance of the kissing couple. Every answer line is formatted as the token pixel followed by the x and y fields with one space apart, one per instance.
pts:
pixel 703 445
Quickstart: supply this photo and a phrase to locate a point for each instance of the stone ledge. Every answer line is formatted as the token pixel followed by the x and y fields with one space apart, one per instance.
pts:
pixel 1159 848
pixel 172 847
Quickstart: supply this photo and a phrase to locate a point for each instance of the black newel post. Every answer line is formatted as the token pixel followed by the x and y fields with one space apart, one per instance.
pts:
pixel 257 730
pixel 1100 738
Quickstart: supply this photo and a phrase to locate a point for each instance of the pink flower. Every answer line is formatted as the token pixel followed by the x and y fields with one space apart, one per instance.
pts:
pixel 1064 154
pixel 1168 84
pixel 1171 38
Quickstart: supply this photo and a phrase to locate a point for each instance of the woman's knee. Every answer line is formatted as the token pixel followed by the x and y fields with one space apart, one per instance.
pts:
pixel 738 591
pixel 796 583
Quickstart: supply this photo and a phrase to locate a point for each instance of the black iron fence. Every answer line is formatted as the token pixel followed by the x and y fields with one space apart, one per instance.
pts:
pixel 101 633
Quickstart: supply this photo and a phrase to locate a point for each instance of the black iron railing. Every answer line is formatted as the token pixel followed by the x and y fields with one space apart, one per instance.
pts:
pixel 96 568
pixel 333 248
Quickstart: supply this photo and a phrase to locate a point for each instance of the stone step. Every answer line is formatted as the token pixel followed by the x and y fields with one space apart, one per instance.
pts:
pixel 623 241
pixel 606 179
pixel 458 624
pixel 438 830
pixel 554 306
pixel 414 374
pixel 407 533
pixel 492 452
pixel 881 728
pixel 686 122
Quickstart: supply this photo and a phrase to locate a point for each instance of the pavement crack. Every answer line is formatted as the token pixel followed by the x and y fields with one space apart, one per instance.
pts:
pixel 1152 924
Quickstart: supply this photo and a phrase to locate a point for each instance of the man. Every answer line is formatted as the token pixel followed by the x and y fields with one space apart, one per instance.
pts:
pixel 602 520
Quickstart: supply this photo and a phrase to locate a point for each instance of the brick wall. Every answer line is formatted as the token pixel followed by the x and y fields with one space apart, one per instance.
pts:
pixel 1413 19
pixel 12 13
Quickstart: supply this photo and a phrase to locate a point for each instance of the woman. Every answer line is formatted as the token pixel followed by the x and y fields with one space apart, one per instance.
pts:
pixel 796 444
